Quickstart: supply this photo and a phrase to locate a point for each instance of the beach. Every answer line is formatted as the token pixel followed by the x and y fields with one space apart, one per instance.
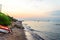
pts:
pixel 17 34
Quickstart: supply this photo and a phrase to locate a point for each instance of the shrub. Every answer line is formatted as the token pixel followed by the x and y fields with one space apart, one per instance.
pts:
pixel 4 19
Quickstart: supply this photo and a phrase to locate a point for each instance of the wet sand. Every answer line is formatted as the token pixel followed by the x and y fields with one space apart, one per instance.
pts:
pixel 29 36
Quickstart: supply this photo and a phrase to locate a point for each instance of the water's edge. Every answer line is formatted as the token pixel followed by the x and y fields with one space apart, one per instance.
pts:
pixel 33 36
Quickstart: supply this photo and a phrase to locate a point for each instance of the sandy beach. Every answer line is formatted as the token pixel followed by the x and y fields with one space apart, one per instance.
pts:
pixel 20 32
pixel 17 34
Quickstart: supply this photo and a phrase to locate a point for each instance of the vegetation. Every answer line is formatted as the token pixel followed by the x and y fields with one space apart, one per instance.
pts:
pixel 4 19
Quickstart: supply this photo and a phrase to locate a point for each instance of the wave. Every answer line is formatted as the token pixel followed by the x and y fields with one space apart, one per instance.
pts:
pixel 34 35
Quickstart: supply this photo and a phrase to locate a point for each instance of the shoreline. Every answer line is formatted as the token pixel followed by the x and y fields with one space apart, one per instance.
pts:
pixel 18 33
pixel 31 35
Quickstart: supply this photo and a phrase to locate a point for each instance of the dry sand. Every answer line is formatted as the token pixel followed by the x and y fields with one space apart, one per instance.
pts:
pixel 17 34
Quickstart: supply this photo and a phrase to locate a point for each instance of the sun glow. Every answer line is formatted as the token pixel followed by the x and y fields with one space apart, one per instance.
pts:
pixel 27 8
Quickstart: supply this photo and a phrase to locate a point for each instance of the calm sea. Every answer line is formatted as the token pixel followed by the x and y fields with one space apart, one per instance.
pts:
pixel 47 30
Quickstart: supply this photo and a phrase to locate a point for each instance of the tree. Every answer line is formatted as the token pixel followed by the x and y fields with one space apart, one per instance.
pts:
pixel 13 19
pixel 4 19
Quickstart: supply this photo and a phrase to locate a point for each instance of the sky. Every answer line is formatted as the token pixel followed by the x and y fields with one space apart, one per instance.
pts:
pixel 31 8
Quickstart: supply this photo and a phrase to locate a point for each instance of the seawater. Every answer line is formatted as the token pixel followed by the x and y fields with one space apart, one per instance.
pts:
pixel 46 30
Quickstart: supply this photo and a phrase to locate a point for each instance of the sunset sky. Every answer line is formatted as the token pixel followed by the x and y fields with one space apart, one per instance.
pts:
pixel 29 8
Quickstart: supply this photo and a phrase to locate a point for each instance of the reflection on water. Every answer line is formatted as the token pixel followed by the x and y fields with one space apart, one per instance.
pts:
pixel 47 30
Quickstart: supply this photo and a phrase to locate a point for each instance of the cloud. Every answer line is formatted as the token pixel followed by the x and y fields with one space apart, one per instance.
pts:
pixel 55 13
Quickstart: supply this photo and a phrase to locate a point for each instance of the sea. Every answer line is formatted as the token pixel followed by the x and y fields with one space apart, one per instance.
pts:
pixel 47 30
